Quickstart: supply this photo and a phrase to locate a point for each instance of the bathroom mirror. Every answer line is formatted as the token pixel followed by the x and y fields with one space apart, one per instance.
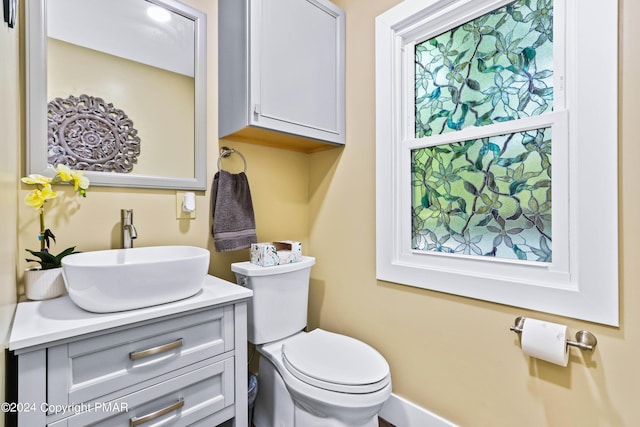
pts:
pixel 117 88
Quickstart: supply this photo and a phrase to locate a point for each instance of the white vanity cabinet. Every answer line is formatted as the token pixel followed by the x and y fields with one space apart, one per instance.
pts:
pixel 282 73
pixel 182 363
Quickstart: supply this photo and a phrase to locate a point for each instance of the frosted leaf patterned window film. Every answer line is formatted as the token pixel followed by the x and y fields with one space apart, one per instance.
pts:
pixel 488 196
pixel 495 68
pixel 475 101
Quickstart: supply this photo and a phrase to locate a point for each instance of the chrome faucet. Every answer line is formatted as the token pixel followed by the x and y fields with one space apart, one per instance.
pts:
pixel 127 230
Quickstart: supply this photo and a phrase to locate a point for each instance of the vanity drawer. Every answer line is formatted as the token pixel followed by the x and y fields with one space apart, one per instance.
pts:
pixel 181 401
pixel 85 370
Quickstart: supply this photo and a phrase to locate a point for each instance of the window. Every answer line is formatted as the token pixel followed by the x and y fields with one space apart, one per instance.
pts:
pixel 496 128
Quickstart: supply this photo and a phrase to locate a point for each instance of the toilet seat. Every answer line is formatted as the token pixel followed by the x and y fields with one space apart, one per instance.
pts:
pixel 335 362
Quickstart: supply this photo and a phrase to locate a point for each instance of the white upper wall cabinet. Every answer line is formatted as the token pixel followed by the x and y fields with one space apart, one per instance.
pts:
pixel 281 73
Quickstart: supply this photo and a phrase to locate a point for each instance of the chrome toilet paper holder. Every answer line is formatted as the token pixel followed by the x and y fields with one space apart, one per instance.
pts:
pixel 585 340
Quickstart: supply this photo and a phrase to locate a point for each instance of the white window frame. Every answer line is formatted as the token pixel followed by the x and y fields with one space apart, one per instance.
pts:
pixel 582 280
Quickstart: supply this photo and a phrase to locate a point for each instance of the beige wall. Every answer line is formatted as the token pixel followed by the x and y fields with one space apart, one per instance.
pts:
pixel 456 356
pixel 10 134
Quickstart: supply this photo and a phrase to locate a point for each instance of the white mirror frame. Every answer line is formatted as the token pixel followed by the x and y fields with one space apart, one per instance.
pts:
pixel 36 65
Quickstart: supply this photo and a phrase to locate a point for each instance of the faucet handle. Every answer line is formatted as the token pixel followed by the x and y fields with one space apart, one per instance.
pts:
pixel 127 229
pixel 126 214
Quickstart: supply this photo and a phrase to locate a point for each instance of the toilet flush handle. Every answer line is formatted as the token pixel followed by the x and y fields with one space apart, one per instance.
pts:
pixel 242 281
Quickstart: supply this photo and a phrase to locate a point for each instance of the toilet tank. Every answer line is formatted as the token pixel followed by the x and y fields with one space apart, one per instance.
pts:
pixel 278 308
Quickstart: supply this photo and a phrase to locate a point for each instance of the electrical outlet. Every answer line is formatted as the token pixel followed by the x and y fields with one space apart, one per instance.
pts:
pixel 180 214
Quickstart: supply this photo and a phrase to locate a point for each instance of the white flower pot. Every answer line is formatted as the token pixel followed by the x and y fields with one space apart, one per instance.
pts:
pixel 43 284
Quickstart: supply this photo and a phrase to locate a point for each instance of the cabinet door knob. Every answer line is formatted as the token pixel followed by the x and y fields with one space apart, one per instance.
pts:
pixel 135 355
pixel 136 421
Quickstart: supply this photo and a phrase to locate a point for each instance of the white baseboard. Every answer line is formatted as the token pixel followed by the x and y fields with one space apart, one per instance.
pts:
pixel 402 413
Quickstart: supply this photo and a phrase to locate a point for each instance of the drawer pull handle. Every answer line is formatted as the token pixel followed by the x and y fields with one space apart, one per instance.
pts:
pixel 136 421
pixel 135 355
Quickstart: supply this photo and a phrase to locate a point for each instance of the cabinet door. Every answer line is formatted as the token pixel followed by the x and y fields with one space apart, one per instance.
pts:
pixel 87 369
pixel 297 61
pixel 205 393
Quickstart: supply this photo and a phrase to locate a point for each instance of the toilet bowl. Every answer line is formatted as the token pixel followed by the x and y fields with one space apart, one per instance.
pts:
pixel 307 379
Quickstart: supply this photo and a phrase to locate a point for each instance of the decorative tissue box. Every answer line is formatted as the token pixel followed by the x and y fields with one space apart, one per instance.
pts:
pixel 276 253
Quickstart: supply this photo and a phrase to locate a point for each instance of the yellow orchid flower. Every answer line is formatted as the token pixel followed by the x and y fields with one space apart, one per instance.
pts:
pixel 37 197
pixel 36 179
pixel 44 191
pixel 80 182
pixel 64 172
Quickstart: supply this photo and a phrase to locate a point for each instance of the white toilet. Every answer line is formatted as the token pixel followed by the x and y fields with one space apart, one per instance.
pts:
pixel 307 379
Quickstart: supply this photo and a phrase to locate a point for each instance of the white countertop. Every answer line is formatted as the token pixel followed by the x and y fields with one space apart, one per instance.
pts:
pixel 41 322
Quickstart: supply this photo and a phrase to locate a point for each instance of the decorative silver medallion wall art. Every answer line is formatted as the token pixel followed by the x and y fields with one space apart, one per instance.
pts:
pixel 88 133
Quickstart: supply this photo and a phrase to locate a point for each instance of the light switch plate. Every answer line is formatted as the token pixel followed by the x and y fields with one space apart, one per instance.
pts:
pixel 180 214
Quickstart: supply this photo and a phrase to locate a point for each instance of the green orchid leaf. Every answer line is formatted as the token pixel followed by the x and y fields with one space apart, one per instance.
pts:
pixel 47 260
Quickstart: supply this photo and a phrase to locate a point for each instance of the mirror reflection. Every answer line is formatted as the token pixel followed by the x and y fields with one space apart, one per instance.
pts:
pixel 124 92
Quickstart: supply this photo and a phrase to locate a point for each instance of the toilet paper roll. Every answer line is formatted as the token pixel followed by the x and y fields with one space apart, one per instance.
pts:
pixel 546 341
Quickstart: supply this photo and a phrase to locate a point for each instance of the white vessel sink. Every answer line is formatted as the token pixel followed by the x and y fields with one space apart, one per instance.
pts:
pixel 126 279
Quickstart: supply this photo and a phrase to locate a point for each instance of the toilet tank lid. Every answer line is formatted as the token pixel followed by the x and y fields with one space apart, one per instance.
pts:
pixel 246 268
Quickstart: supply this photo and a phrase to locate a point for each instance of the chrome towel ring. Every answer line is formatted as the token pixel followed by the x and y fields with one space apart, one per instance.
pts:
pixel 226 152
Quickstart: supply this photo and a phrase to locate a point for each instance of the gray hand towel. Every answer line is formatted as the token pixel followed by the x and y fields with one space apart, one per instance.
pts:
pixel 234 225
